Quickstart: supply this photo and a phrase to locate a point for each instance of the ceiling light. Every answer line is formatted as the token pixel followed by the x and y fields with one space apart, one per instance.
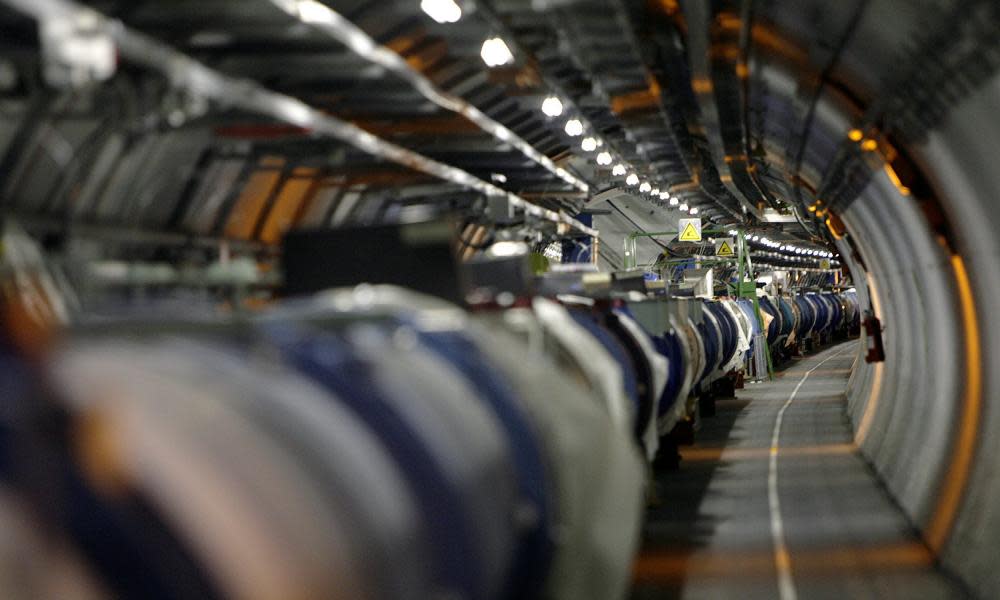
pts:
pixel 442 11
pixel 684 207
pixel 674 201
pixel 754 238
pixel 694 210
pixel 495 53
pixel 655 192
pixel 632 179
pixel 574 127
pixel 552 106
pixel 733 232
pixel 664 195
pixel 311 11
pixel 645 187
pixel 619 170
pixel 498 177
pixel 589 144
pixel 604 158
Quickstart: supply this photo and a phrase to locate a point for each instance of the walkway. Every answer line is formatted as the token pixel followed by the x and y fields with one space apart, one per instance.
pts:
pixel 773 501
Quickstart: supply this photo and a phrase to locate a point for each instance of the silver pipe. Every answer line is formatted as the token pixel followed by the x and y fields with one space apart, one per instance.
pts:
pixel 200 80
pixel 364 46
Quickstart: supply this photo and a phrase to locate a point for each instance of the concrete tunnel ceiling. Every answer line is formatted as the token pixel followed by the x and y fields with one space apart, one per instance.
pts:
pixel 863 128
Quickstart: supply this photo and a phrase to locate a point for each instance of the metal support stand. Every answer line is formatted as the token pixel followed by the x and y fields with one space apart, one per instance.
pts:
pixel 743 265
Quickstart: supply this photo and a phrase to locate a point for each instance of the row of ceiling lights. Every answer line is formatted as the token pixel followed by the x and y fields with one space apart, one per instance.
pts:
pixel 787 258
pixel 762 267
pixel 496 53
pixel 787 248
pixel 553 107
pixel 790 248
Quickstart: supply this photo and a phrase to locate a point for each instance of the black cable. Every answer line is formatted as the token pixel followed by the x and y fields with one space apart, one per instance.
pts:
pixel 824 77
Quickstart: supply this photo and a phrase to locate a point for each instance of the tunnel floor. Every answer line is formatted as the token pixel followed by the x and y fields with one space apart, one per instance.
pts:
pixel 717 532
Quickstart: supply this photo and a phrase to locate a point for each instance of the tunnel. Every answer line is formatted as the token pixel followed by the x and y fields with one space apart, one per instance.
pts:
pixel 474 299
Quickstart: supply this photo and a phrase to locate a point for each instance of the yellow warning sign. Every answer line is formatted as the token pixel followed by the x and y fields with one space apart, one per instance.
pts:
pixel 724 247
pixel 690 230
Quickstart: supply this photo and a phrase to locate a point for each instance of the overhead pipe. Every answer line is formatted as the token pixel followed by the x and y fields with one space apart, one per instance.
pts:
pixel 364 46
pixel 198 79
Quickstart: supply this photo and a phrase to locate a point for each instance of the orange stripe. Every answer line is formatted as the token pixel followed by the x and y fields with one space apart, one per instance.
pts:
pixel 664 566
pixel 894 178
pixel 698 454
pixel 964 449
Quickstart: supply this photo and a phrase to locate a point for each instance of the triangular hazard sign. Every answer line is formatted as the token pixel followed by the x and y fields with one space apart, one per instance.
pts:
pixel 690 234
pixel 724 249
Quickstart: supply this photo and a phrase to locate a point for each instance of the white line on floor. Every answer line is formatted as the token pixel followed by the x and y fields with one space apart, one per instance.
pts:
pixel 786 586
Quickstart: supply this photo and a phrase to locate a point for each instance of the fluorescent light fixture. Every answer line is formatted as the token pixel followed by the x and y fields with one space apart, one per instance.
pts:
pixel 619 170
pixel 495 53
pixel 632 179
pixel 604 159
pixel 733 232
pixel 694 210
pixel 645 187
pixel 755 238
pixel 655 192
pixel 664 195
pixel 311 11
pixel 674 201
pixel 589 144
pixel 442 11
pixel 684 207
pixel 552 106
pixel 574 127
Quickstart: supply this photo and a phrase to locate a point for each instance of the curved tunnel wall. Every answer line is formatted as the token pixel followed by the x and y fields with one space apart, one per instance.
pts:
pixel 910 418
pixel 928 418
pixel 959 158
